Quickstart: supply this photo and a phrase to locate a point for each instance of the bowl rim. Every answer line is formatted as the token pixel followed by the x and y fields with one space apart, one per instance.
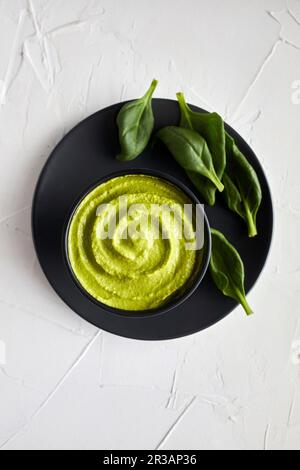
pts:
pixel 198 277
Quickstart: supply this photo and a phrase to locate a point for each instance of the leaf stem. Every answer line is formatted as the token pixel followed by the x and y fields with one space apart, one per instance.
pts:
pixel 244 303
pixel 217 182
pixel 184 108
pixel 252 230
pixel 151 89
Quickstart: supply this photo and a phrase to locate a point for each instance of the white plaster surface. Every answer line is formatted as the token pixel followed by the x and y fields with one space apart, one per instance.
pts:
pixel 64 384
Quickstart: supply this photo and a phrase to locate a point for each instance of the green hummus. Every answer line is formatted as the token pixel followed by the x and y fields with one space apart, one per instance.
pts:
pixel 131 272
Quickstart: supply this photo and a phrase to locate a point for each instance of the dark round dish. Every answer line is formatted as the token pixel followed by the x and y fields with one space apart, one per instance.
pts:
pixel 86 155
pixel 177 300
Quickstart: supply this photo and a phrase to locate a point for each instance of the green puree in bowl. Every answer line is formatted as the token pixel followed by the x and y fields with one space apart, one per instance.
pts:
pixel 140 271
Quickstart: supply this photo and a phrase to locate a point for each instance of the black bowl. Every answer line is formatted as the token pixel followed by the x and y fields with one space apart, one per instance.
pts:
pixel 199 275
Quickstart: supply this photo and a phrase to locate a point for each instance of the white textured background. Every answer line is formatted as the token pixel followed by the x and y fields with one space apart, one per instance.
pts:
pixel 66 385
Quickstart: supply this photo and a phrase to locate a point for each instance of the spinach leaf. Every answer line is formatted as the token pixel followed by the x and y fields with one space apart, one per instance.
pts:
pixel 227 269
pixel 211 127
pixel 190 150
pixel 242 193
pixel 136 123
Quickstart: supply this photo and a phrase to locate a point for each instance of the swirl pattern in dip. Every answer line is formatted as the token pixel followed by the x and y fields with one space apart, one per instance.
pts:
pixel 133 273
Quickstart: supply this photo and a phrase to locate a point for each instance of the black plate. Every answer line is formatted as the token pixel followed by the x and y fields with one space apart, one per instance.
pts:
pixel 83 157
